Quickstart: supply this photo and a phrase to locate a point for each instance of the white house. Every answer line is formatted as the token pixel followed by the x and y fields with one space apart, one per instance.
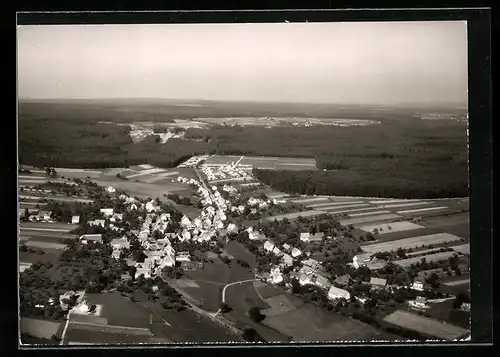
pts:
pixel 420 302
pixel 304 237
pixel 91 237
pixel 107 211
pixel 97 222
pixel 110 189
pixel 336 293
pixel 142 270
pixel 418 285
pixel 44 215
pixel 75 219
pixel 168 261
pixel 185 221
pixel 378 283
pixel 305 279
pixel 269 246
pixel 361 260
pixel 120 243
pixel 277 251
pixel 287 259
pixel 183 257
pixel 286 247
pixel 276 276
pixel 312 263
pixel 231 228
pixel 296 252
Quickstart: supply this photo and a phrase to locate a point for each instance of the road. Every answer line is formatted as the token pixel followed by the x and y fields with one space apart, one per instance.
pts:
pixel 235 283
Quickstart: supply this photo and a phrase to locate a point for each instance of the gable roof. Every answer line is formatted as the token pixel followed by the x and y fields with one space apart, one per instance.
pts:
pixel 378 281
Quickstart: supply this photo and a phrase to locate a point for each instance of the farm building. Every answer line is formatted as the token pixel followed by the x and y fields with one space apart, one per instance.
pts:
pixel 269 246
pixel 312 263
pixel 91 237
pixel 286 247
pixel 418 285
pixel 183 257
pixel 287 259
pixel 296 252
pixel 75 219
pixel 44 215
pixel 336 293
pixel 378 283
pixel 107 211
pixel 361 260
pixel 343 280
pixel 97 222
pixel 420 302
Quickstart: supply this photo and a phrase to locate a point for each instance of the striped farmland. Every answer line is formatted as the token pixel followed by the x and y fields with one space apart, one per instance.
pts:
pixel 404 263
pixel 413 242
pixel 375 218
pixel 295 215
pixel 333 203
pixel 419 210
pixel 391 227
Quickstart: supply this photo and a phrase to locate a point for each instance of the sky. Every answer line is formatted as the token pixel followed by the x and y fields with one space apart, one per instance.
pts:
pixel 350 63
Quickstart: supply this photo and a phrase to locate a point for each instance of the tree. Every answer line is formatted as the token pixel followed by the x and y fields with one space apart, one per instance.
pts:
pixel 250 335
pixel 295 286
pixel 224 308
pixel 255 315
pixel 400 252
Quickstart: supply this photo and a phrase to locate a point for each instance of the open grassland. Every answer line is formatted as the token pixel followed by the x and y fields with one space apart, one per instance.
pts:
pixel 374 218
pixel 391 227
pixel 425 325
pixel 39 328
pixel 385 160
pixel 310 323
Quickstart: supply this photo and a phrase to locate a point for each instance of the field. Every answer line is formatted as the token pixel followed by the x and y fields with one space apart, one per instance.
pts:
pixel 52 227
pixel 413 242
pixel 310 323
pixel 426 325
pixel 464 248
pixel 404 263
pixel 39 328
pixel 375 218
pixel 144 190
pixel 391 227
pixel 44 245
pixel 295 215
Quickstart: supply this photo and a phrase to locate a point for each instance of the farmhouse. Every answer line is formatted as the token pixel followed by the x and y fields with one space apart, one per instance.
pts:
pixel 110 189
pixel 97 222
pixel 296 252
pixel 120 243
pixel 287 259
pixel 75 219
pixel 143 271
pixel 107 211
pixel 312 263
pixel 91 237
pixel 420 302
pixel 286 247
pixel 320 281
pixel 336 293
pixel 183 257
pixel 268 246
pixel 378 283
pixel 277 251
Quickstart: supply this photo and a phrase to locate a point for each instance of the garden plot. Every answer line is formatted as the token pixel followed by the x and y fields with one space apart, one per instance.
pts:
pixel 426 325
pixel 358 220
pixel 391 227
pixel 404 263
pixel 333 203
pixel 413 242
pixel 407 204
pixel 420 210
pixel 355 210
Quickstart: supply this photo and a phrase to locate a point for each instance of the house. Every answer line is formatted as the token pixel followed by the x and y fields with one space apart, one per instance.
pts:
pixel 335 293
pixel 91 237
pixel 183 257
pixel 376 264
pixel 231 228
pixel 120 243
pixel 256 236
pixel 97 222
pixel 304 237
pixel 321 281
pixel 277 251
pixel 361 260
pixel 110 189
pixel 296 252
pixel 115 254
pixel 44 215
pixel 417 285
pixel 75 219
pixel 420 302
pixel 312 263
pixel 317 237
pixel 66 299
pixel 185 221
pixel 287 259
pixel 286 247
pixel 168 260
pixel 276 276
pixel 143 271
pixel 378 283
pixel 465 306
pixel 343 280
pixel 305 279
pixel 107 211
pixel 268 246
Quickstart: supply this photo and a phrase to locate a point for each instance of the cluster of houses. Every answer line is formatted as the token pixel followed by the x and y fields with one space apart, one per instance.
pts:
pixel 194 160
pixel 225 172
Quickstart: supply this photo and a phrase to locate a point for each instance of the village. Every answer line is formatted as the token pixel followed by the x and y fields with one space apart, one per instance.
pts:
pixel 301 249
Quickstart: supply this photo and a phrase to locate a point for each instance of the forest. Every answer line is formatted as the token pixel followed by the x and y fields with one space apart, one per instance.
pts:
pixel 398 158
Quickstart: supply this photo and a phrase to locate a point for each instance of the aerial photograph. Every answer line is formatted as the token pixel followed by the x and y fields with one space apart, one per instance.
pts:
pixel 261 183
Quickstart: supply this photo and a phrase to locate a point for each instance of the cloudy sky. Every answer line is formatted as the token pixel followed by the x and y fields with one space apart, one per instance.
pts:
pixel 371 63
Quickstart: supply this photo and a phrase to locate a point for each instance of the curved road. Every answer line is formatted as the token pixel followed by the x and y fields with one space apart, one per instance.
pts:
pixel 235 283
